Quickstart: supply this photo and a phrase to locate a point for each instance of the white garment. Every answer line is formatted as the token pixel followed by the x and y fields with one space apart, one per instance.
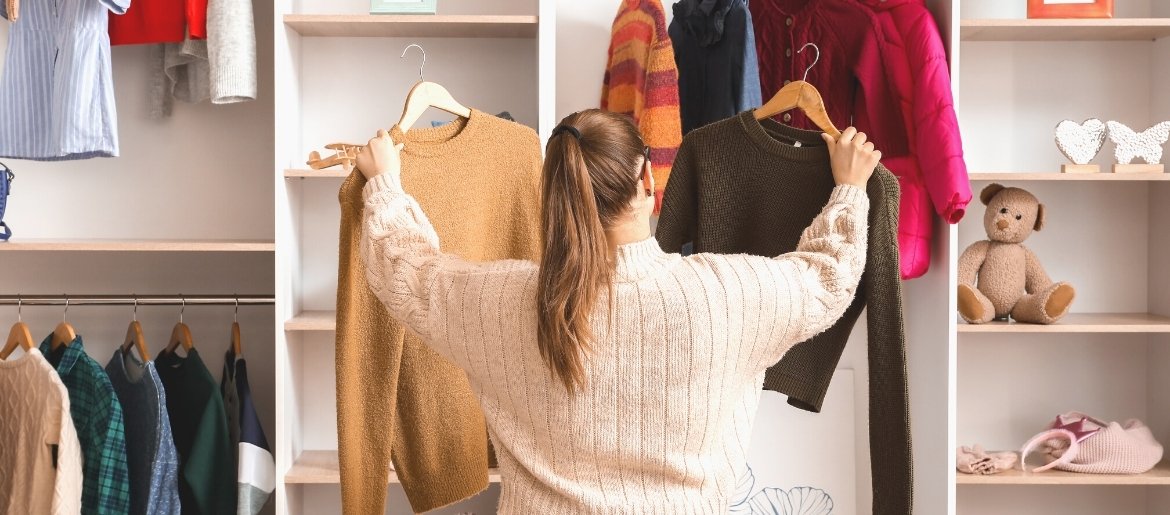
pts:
pixel 672 381
pixel 34 418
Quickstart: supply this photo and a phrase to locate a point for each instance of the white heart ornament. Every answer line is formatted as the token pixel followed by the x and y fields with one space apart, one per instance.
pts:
pixel 1080 142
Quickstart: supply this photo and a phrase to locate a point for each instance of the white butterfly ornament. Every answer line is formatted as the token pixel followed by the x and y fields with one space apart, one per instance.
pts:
pixel 1146 144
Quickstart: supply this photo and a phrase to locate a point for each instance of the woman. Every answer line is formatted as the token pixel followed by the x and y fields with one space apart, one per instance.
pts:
pixel 613 375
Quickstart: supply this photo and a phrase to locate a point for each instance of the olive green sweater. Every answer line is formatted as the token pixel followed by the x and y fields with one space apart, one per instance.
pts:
pixel 742 186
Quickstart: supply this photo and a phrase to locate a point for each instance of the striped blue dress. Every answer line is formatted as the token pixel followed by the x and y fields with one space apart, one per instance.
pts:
pixel 57 92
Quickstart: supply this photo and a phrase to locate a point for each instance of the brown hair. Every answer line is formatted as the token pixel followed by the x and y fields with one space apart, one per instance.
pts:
pixel 591 173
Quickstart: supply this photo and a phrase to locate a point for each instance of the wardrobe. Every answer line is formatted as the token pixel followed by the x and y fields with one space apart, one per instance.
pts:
pixel 218 200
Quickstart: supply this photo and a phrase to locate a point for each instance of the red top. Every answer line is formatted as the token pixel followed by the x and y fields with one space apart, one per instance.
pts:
pixel 849 75
pixel 159 21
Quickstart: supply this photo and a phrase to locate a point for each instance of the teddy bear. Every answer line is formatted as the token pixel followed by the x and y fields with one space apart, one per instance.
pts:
pixel 999 276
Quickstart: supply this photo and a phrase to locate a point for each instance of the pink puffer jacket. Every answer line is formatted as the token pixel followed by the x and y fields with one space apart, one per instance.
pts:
pixel 933 175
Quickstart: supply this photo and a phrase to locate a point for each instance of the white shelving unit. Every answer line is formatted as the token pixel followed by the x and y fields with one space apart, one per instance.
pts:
pixel 1108 234
pixel 339 78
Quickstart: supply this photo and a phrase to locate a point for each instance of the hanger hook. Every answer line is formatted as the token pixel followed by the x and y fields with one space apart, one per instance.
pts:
pixel 182 309
pixel 236 316
pixel 19 308
pixel 815 59
pixel 135 295
pixel 65 315
pixel 424 58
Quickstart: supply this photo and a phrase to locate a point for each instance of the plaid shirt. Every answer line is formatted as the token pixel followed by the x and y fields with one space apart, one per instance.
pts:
pixel 97 415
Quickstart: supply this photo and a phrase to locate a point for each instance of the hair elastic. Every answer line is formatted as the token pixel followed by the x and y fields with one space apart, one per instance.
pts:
pixel 567 128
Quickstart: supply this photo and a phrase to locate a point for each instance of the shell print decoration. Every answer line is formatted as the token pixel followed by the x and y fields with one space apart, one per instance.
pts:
pixel 1146 144
pixel 797 501
pixel 1080 142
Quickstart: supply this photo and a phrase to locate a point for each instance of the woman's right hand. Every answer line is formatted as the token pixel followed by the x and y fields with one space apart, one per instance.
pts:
pixel 852 157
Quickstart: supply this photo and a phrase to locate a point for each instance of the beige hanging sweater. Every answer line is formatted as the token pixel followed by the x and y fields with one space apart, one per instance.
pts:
pixel 479 179
pixel 664 422
pixel 34 419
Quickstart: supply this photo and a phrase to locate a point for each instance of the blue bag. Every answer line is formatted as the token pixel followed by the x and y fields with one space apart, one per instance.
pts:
pixel 6 177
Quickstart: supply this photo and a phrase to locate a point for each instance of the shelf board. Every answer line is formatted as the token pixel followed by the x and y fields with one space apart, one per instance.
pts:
pixel 321 468
pixel 1056 176
pixel 34 245
pixel 328 173
pixel 312 321
pixel 412 26
pixel 1080 323
pixel 1160 475
pixel 1111 29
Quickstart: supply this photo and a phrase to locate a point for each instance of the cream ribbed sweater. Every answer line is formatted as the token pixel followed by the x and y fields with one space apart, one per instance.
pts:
pixel 673 382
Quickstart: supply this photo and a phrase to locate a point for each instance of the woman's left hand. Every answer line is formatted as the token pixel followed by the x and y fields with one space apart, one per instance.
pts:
pixel 379 156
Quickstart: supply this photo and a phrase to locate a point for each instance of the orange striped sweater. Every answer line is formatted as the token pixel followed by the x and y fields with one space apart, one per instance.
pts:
pixel 641 80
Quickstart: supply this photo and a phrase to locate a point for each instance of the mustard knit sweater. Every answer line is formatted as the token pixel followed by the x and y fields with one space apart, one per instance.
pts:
pixel 672 381
pixel 479 179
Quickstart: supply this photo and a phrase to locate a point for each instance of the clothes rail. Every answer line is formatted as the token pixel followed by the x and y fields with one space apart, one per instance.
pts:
pixel 140 300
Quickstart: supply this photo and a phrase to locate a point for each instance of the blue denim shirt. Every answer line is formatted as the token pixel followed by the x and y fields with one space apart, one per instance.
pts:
pixel 150 448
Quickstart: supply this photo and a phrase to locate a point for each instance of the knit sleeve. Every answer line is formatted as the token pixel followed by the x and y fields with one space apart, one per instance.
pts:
pixel 680 204
pixel 231 51
pixel 816 283
pixel 660 122
pixel 67 485
pixel 889 402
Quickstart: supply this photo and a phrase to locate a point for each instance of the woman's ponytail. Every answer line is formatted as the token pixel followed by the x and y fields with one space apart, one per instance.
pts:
pixel 587 183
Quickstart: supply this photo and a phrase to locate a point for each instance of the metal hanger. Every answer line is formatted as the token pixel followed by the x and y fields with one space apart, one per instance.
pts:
pixel 181 334
pixel 236 349
pixel 801 95
pixel 425 95
pixel 63 334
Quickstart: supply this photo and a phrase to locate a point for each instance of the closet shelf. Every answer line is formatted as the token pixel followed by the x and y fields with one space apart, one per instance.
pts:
pixel 321 467
pixel 328 173
pixel 1160 475
pixel 35 245
pixel 1080 323
pixel 312 321
pixel 1061 177
pixel 1112 29
pixel 412 26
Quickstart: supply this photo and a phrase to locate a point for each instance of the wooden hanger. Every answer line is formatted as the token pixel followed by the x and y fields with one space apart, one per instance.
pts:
pixel 800 95
pixel 135 338
pixel 236 349
pixel 18 336
pixel 63 334
pixel 13 10
pixel 181 334
pixel 425 95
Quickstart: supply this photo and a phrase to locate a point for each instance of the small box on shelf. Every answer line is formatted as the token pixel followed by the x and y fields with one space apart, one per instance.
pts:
pixel 403 6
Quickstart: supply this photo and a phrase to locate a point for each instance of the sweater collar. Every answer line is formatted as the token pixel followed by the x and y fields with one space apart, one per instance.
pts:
pixel 638 260
pixel 442 140
pixel 764 134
